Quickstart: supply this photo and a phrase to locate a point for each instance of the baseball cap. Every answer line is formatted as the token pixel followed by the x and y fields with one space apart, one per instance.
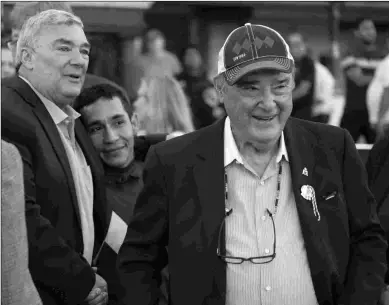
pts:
pixel 253 47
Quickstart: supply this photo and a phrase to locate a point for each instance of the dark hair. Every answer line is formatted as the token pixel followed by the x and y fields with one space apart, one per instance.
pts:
pixel 24 10
pixel 89 96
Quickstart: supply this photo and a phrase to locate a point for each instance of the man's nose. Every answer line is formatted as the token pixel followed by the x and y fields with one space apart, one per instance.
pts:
pixel 110 135
pixel 267 97
pixel 79 59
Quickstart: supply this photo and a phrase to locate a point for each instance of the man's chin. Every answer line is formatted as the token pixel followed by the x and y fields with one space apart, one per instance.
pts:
pixel 117 163
pixel 267 135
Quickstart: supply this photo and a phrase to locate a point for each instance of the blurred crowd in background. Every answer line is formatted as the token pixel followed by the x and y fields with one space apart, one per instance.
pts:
pixel 333 77
pixel 155 61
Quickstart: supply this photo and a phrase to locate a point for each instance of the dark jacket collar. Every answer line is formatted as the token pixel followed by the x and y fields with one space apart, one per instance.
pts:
pixel 121 175
pixel 23 89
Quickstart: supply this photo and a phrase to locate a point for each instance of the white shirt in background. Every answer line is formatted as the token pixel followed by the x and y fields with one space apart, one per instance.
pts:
pixel 323 91
pixel 376 89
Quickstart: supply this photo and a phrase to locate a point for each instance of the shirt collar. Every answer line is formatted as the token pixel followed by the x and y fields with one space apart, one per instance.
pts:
pixel 58 115
pixel 231 152
pixel 121 175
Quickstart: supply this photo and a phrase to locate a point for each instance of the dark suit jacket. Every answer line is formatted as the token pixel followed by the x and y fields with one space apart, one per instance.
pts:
pixel 377 166
pixel 59 271
pixel 182 206
pixel 142 144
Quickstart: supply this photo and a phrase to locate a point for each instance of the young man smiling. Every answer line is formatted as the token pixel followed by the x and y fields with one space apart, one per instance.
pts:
pixel 112 125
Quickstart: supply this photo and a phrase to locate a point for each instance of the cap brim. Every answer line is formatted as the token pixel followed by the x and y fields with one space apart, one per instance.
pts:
pixel 280 64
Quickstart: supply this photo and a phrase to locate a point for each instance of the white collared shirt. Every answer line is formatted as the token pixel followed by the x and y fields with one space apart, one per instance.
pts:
pixel 231 152
pixel 82 176
pixel 249 233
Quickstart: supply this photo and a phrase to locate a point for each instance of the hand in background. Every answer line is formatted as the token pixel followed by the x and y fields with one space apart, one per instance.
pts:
pixel 99 293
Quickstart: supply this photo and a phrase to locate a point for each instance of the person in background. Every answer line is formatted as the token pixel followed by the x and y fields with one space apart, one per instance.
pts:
pixel 199 89
pixel 377 167
pixel 211 98
pixel 17 286
pixel 133 67
pixel 359 64
pixel 66 208
pixel 112 126
pixel 303 94
pixel 259 208
pixel 157 61
pixel 323 93
pixel 378 97
pixel 162 107
pixel 7 63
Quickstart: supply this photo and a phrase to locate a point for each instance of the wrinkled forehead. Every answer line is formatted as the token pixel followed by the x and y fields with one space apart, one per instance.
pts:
pixel 104 109
pixel 265 74
pixel 73 33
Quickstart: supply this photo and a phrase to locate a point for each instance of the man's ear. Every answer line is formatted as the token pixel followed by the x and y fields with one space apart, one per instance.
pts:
pixel 27 58
pixel 220 85
pixel 135 123
pixel 220 95
pixel 293 83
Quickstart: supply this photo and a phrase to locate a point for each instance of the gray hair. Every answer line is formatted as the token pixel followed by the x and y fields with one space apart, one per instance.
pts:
pixel 31 29
pixel 22 11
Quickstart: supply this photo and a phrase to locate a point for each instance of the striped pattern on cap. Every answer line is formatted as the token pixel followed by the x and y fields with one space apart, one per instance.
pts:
pixel 253 47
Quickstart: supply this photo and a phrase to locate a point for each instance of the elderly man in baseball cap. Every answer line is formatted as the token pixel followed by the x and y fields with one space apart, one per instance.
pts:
pixel 259 208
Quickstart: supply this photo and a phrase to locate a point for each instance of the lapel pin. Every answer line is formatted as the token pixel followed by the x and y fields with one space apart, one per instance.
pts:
pixel 308 193
pixel 228 211
pixel 305 172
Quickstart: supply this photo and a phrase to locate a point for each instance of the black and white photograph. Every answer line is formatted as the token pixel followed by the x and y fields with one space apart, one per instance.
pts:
pixel 194 152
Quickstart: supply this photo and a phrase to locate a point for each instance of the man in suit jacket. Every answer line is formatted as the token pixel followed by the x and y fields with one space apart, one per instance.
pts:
pixel 377 166
pixel 16 283
pixel 67 214
pixel 259 208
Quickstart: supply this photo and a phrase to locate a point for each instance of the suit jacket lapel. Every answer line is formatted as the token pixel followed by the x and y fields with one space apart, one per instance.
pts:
pixel 52 133
pixel 209 177
pixel 380 187
pixel 303 151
